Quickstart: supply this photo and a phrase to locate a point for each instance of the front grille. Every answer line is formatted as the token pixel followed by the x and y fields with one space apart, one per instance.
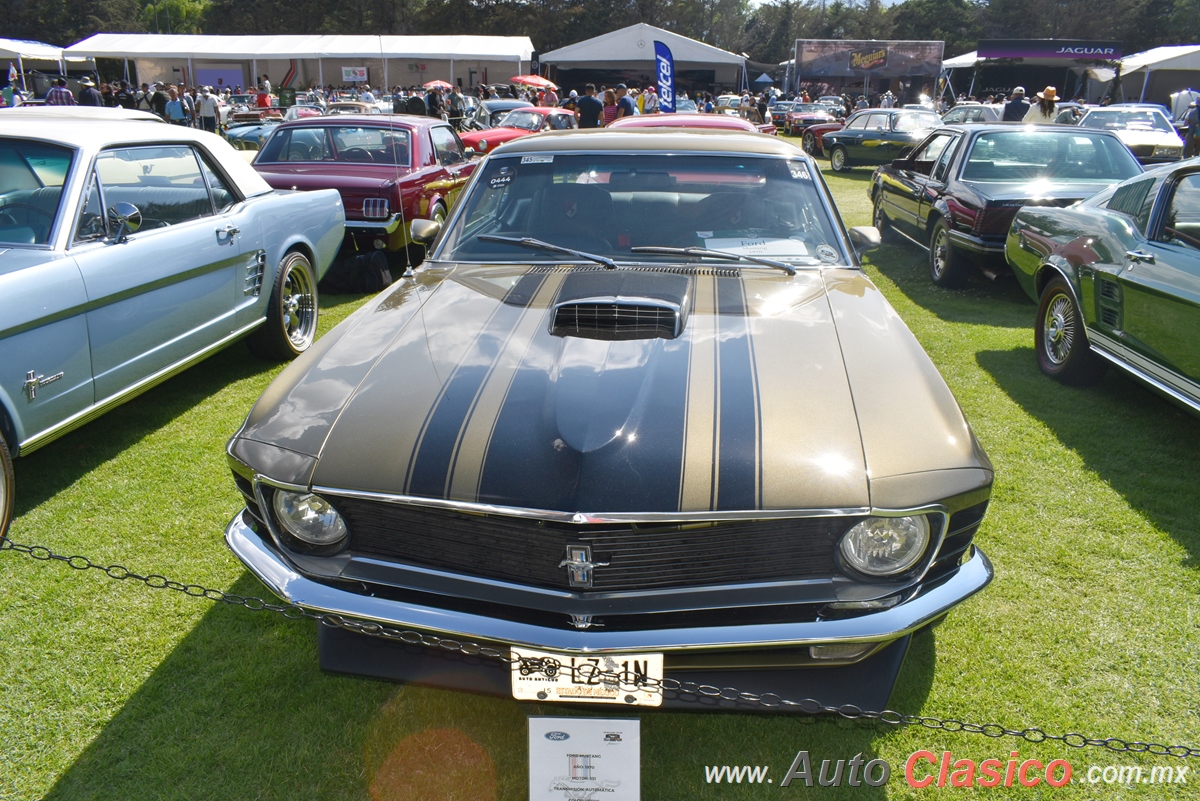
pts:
pixel 1142 151
pixel 615 321
pixel 640 556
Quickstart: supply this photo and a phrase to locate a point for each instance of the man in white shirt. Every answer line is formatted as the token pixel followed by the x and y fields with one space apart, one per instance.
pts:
pixel 367 96
pixel 207 110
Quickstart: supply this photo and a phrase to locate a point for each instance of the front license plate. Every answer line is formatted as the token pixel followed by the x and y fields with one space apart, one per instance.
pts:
pixel 542 676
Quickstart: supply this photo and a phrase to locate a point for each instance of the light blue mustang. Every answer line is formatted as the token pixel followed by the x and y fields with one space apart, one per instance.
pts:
pixel 130 250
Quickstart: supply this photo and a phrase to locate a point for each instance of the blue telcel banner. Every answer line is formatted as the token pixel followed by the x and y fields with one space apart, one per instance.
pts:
pixel 666 77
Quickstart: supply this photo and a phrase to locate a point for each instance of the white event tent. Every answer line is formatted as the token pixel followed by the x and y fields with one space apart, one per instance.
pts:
pixel 39 55
pixel 1156 73
pixel 301 61
pixel 632 49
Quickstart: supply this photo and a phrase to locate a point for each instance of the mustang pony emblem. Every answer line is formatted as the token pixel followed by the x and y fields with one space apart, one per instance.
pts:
pixel 579 565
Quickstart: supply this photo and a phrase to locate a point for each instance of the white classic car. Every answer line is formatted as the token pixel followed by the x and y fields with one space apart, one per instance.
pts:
pixel 129 251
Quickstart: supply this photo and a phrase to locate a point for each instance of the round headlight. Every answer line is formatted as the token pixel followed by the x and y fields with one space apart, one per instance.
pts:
pixel 309 518
pixel 482 148
pixel 885 546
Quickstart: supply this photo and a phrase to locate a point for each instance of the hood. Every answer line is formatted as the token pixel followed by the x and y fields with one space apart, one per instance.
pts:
pixel 716 390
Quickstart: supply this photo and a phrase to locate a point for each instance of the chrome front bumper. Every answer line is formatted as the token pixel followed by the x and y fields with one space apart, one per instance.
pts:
pixel 883 626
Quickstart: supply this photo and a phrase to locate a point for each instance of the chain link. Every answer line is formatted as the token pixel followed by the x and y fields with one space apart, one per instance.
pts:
pixel 808 706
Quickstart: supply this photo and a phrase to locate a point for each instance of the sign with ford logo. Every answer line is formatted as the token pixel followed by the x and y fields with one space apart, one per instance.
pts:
pixel 557 736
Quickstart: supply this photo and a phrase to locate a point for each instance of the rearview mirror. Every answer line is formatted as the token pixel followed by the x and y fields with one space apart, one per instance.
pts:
pixel 424 231
pixel 864 238
pixel 126 218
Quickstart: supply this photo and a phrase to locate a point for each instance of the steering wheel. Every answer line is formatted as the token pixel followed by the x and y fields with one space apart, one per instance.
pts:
pixel 4 211
pixel 356 154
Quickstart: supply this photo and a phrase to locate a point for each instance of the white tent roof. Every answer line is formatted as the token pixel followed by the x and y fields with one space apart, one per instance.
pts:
pixel 1173 57
pixel 635 44
pixel 958 62
pixel 153 45
pixel 20 48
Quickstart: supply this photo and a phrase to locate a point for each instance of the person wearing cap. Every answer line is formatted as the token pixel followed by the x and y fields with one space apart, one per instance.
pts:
pixel 650 101
pixel 207 110
pixel 550 99
pixel 625 104
pixel 88 95
pixel 1017 106
pixel 158 100
pixel 367 95
pixel 125 96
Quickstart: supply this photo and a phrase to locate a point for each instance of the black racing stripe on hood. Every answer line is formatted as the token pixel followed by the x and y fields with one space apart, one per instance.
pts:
pixel 738 483
pixel 431 462
pixel 529 462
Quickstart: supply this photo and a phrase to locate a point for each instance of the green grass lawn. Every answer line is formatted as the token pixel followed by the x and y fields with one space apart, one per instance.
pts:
pixel 115 691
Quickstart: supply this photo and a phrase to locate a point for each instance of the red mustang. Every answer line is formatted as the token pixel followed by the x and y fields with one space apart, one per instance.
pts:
pixel 388 169
pixel 520 122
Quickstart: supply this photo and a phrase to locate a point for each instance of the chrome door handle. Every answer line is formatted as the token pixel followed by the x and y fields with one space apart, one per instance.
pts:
pixel 1139 256
pixel 229 229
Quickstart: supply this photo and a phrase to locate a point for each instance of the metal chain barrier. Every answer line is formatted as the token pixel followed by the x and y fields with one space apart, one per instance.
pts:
pixel 808 706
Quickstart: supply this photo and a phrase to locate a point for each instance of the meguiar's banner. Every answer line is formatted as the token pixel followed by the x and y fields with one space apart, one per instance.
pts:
pixel 848 58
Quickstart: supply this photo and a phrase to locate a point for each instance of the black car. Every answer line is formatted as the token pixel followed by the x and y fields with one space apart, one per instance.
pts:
pixel 956 193
pixel 876 136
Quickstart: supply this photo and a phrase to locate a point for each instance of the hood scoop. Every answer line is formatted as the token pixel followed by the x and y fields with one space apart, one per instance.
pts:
pixel 622 306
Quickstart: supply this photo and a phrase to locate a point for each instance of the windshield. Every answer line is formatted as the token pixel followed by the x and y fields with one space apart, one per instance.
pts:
pixel 607 204
pixel 916 121
pixel 1141 120
pixel 525 120
pixel 341 143
pixel 810 108
pixel 1068 155
pixel 31 181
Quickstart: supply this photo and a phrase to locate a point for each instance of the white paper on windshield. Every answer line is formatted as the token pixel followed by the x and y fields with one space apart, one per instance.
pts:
pixel 758 246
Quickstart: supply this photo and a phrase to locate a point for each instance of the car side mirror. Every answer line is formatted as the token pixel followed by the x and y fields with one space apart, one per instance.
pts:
pixel 901 164
pixel 472 152
pixel 864 238
pixel 423 232
pixel 126 218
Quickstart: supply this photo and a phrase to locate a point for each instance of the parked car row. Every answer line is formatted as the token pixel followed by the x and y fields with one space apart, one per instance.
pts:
pixel 609 465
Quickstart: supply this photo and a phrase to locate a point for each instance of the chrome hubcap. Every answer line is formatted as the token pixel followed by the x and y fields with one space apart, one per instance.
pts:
pixel 939 253
pixel 1059 329
pixel 299 319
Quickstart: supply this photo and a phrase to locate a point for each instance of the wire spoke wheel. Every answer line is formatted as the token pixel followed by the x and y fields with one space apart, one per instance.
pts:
pixel 1062 347
pixel 1059 329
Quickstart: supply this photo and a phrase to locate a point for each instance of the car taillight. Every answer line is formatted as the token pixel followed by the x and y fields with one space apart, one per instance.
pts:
pixel 376 208
pixel 994 219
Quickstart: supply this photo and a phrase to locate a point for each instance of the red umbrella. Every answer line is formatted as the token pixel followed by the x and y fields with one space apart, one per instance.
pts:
pixel 439 84
pixel 533 80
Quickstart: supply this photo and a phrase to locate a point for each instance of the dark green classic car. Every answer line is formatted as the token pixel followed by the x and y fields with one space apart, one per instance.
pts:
pixel 875 136
pixel 1117 278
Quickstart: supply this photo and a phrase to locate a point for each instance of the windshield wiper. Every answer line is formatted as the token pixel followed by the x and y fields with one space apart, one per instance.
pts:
pixel 717 254
pixel 537 244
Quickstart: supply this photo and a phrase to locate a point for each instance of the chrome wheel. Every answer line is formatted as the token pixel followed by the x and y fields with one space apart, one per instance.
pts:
pixel 1059 329
pixel 809 143
pixel 291 317
pixel 1063 352
pixel 945 267
pixel 837 159
pixel 299 305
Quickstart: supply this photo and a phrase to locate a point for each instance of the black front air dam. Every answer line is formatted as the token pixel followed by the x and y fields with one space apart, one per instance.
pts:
pixel 866 684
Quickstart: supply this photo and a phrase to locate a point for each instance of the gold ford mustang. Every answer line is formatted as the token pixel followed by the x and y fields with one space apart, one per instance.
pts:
pixel 640 424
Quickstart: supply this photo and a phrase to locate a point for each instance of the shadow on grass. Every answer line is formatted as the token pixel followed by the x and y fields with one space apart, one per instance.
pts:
pixel 982 301
pixel 239 709
pixel 1140 444
pixel 47 471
